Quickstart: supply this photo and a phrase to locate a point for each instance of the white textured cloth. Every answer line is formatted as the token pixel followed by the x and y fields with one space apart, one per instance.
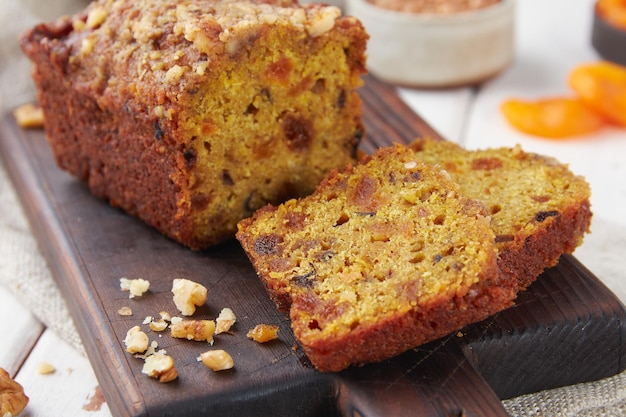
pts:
pixel 24 271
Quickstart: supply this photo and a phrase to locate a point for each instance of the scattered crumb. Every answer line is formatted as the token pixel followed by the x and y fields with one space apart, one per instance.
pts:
pixel 125 311
pixel 136 287
pixel 217 360
pixel 45 368
pixel 198 330
pixel 158 325
pixel 161 367
pixel 136 340
pixel 225 321
pixel 188 295
pixel 29 116
pixel 263 333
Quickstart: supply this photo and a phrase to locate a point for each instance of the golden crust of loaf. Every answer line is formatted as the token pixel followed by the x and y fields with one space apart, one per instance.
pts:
pixel 539 209
pixel 383 257
pixel 191 114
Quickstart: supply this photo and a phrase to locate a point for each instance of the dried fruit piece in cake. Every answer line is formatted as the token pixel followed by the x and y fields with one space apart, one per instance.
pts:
pixel 539 209
pixel 383 257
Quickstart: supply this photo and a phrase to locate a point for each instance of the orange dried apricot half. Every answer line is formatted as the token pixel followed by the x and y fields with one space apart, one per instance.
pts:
pixel 555 117
pixel 602 86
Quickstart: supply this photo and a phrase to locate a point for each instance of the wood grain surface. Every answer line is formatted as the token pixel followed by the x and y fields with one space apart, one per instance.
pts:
pixel 566 328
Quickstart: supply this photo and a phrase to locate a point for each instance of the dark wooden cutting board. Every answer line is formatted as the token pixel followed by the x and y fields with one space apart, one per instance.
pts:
pixel 566 328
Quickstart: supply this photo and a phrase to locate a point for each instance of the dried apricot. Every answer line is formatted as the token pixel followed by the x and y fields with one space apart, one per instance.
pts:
pixel 556 117
pixel 613 12
pixel 602 86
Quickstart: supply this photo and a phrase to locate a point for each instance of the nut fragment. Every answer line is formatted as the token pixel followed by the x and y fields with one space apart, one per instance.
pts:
pixel 45 368
pixel 161 367
pixel 158 326
pixel 136 340
pixel 188 295
pixel 136 287
pixel 29 116
pixel 225 320
pixel 198 330
pixel 12 397
pixel 263 333
pixel 217 360
pixel 125 311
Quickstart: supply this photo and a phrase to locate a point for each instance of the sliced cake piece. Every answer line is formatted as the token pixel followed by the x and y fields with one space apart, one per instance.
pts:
pixel 383 257
pixel 539 209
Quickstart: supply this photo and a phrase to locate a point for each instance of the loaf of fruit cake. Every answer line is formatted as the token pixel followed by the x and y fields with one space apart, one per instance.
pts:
pixel 539 209
pixel 384 256
pixel 191 114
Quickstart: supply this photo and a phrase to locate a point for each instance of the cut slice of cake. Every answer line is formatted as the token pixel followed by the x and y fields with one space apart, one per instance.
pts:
pixel 539 209
pixel 382 257
pixel 191 114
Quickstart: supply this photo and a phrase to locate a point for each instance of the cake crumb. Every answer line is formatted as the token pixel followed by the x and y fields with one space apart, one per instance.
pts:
pixel 225 321
pixel 125 311
pixel 188 295
pixel 217 360
pixel 136 287
pixel 45 368
pixel 29 116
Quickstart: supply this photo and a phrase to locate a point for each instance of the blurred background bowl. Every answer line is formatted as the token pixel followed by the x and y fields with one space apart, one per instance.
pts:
pixel 608 34
pixel 437 50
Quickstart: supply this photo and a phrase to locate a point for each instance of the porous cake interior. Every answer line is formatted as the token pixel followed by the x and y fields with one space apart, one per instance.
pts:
pixel 270 124
pixel 370 245
pixel 521 190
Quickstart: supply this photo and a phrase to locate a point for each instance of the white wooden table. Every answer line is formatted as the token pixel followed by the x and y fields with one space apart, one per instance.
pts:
pixel 553 36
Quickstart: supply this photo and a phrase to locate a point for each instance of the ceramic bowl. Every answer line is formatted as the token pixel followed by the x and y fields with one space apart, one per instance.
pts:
pixel 608 39
pixel 434 50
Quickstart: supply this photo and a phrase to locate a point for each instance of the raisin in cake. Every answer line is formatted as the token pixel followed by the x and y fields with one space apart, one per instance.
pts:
pixel 382 257
pixel 191 114
pixel 539 209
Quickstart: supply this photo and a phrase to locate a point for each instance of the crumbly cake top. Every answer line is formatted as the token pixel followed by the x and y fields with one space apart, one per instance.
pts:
pixel 177 42
pixel 204 23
